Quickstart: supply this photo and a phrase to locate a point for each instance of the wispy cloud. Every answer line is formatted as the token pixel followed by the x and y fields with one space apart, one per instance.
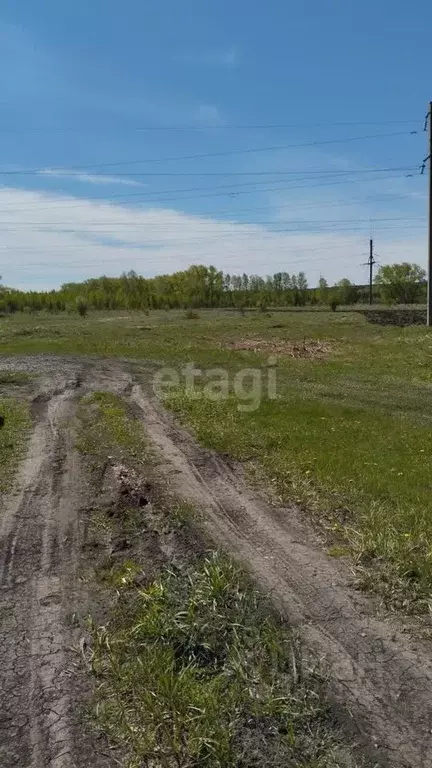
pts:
pixel 225 57
pixel 49 239
pixel 89 178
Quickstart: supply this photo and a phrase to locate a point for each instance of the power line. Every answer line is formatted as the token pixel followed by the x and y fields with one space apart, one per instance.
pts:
pixel 234 193
pixel 273 148
pixel 235 254
pixel 234 186
pixel 269 239
pixel 149 226
pixel 59 173
pixel 204 256
pixel 229 211
pixel 207 127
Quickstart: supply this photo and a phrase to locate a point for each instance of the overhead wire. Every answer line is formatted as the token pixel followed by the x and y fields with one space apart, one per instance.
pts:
pixel 303 176
pixel 212 226
pixel 204 127
pixel 65 173
pixel 204 256
pixel 234 193
pixel 226 153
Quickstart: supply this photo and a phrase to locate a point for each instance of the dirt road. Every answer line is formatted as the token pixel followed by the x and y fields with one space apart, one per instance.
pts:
pixel 40 544
pixel 380 682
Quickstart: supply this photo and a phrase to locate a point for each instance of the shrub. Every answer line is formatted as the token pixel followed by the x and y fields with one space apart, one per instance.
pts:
pixel 334 305
pixel 81 307
pixel 190 314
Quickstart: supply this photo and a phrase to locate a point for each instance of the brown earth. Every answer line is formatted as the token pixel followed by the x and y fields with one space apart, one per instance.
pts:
pixel 398 317
pixel 308 349
pixel 379 682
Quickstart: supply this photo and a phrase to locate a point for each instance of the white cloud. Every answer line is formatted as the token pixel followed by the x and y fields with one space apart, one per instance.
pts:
pixel 48 239
pixel 89 178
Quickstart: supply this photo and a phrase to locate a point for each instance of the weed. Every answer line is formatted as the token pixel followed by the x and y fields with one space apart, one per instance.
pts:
pixel 13 378
pixel 190 667
pixel 119 575
pixel 112 427
pixel 191 314
pixel 81 307
pixel 13 439
pixel 182 511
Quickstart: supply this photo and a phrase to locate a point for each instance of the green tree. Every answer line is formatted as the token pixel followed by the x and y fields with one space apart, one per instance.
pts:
pixel 323 290
pixel 299 289
pixel 401 283
pixel 347 292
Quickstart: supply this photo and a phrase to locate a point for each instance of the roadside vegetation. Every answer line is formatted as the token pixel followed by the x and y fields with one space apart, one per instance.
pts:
pixel 13 433
pixel 190 666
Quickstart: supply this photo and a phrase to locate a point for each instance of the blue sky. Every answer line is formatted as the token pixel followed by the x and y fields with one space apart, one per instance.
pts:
pixel 257 137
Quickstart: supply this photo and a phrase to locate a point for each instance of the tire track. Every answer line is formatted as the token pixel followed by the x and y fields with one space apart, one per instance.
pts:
pixel 39 557
pixel 41 530
pixel 380 686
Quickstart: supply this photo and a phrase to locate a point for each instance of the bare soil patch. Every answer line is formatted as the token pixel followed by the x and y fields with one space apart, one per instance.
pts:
pixel 397 317
pixel 307 349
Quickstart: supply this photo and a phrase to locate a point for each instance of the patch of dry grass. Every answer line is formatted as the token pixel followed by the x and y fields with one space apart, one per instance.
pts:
pixel 305 349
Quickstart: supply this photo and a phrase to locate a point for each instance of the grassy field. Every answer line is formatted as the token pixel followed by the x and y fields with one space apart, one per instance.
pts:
pixel 190 665
pixel 348 437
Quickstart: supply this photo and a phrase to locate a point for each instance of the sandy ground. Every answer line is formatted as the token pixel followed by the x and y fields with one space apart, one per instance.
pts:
pixel 380 681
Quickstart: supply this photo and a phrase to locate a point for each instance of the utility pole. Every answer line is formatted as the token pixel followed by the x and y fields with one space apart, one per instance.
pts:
pixel 370 263
pixel 429 157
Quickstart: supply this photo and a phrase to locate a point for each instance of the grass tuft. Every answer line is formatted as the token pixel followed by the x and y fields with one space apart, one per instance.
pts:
pixel 110 426
pixel 189 668
pixel 13 439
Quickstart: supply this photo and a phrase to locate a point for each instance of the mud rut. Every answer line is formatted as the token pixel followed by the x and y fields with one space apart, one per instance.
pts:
pixel 380 682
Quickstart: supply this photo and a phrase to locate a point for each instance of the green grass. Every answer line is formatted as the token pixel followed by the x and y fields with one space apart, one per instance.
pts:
pixel 108 425
pixel 190 666
pixel 364 475
pixel 17 378
pixel 13 439
pixel 348 437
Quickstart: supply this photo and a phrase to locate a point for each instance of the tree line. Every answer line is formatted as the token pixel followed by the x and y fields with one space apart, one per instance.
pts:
pixel 201 287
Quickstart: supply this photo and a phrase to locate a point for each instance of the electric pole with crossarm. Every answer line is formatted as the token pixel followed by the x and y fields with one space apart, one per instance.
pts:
pixel 429 285
pixel 428 121
pixel 370 263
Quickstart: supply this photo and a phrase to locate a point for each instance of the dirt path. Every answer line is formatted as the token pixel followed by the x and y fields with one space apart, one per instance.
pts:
pixel 39 593
pixel 379 683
